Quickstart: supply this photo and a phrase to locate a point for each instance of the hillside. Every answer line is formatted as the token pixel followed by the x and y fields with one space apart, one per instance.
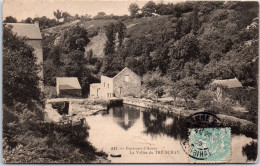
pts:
pixel 95 29
pixel 199 42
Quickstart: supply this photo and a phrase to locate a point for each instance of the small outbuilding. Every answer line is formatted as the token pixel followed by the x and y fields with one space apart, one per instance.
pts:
pixel 68 87
pixel 219 86
pixel 228 83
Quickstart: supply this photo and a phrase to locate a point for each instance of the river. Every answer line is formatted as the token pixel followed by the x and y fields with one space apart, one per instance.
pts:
pixel 144 137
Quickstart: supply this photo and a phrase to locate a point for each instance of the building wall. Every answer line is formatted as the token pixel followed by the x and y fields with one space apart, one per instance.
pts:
pixel 106 87
pixel 127 86
pixel 70 93
pixel 117 86
pixel 37 46
pixel 95 90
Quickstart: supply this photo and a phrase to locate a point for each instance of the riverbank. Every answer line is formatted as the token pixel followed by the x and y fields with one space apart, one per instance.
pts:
pixel 77 109
pixel 68 120
pixel 243 125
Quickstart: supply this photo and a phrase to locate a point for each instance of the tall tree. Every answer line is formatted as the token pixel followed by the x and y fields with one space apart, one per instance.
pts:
pixel 75 39
pixel 110 44
pixel 65 16
pixel 58 14
pixel 28 20
pixel 149 8
pixel 133 9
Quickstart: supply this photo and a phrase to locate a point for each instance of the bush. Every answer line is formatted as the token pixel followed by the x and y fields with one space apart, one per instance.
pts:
pixel 28 142
pixel 205 98
pixel 50 92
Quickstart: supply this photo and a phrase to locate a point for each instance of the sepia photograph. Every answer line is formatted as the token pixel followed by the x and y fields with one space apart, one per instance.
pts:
pixel 129 81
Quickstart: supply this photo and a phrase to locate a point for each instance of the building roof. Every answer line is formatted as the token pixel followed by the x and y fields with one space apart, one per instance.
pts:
pixel 30 31
pixel 126 68
pixel 68 83
pixel 229 83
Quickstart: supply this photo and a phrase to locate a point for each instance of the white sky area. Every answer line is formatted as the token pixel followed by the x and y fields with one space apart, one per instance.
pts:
pixel 21 9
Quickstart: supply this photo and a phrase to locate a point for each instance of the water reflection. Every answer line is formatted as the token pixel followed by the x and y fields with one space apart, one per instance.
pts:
pixel 160 123
pixel 134 127
pixel 125 117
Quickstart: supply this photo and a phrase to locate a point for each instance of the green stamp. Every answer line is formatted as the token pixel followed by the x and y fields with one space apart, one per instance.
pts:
pixel 210 144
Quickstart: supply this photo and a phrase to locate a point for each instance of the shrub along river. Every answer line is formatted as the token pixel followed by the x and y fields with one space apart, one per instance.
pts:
pixel 132 134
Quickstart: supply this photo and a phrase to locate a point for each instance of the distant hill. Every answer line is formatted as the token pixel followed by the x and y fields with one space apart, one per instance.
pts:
pixel 96 34
pixel 195 44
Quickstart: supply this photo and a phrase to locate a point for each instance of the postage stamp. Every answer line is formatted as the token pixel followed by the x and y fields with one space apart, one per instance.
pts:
pixel 210 145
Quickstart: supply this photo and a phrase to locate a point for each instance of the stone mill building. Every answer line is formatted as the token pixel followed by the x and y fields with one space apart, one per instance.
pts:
pixel 125 83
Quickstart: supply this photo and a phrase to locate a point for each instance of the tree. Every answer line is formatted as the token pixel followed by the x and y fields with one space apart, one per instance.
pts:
pixel 28 20
pixel 120 28
pixel 10 19
pixel 75 66
pixel 165 9
pixel 56 55
pixel 20 72
pixel 100 15
pixel 186 48
pixel 58 14
pixel 188 89
pixel 133 9
pixel 206 98
pixel 75 39
pixel 110 44
pixel 85 17
pixel 65 16
pixel 156 83
pixel 149 8
pixel 45 22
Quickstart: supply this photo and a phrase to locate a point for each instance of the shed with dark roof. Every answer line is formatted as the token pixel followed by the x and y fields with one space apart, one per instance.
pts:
pixel 228 83
pixel 68 87
pixel 222 88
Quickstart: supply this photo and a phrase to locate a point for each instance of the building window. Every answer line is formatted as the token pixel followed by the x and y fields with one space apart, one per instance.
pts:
pixel 126 78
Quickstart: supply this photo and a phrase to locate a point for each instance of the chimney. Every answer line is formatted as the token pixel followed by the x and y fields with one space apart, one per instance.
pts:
pixel 36 24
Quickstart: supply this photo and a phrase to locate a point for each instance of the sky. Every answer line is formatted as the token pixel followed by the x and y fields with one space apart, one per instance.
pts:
pixel 21 9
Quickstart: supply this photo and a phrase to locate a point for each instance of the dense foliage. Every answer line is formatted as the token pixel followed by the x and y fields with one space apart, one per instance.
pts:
pixel 69 58
pixel 26 139
pixel 189 44
pixel 177 49
pixel 198 41
pixel 20 78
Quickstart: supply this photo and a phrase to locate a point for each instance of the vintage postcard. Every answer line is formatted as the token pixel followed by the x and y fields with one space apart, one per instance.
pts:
pixel 130 81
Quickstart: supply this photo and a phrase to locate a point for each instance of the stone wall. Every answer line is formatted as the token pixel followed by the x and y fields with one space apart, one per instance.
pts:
pixel 124 86
pixel 118 86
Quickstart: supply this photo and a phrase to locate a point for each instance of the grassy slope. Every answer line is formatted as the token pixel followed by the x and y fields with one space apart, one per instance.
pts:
pixel 95 30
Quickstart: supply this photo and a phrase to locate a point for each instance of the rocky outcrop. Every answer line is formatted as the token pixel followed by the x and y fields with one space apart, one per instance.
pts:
pixel 51 115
